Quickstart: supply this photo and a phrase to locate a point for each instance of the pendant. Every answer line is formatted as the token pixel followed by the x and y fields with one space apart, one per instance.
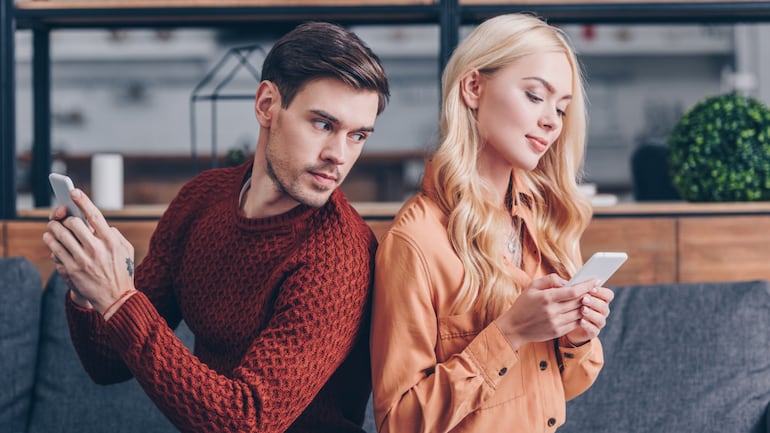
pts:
pixel 511 246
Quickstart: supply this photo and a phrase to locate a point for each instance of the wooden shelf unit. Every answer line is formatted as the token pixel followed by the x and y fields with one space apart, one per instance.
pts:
pixel 270 16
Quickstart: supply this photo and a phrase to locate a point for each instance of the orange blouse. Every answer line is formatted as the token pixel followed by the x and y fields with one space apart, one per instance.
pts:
pixel 436 372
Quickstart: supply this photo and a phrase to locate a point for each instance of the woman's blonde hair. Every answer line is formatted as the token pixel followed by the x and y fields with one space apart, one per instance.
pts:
pixel 476 224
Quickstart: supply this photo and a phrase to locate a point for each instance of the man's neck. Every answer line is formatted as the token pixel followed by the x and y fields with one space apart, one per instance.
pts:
pixel 260 198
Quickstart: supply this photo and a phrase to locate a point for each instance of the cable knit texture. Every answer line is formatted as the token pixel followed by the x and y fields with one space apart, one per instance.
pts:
pixel 277 305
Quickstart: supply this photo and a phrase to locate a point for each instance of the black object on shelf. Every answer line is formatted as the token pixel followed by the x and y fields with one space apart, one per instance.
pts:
pixel 211 88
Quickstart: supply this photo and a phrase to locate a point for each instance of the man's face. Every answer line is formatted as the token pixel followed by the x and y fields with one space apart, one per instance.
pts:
pixel 314 142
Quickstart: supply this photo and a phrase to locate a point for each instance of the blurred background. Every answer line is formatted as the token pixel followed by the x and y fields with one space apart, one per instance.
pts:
pixel 140 93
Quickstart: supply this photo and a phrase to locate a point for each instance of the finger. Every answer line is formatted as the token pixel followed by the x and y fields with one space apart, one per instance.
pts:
pixel 82 232
pixel 604 294
pixel 598 306
pixel 94 217
pixel 58 213
pixel 61 255
pixel 592 320
pixel 550 281
pixel 571 293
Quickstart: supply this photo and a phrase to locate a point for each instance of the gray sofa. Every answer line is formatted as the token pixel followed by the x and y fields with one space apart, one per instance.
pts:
pixel 49 392
pixel 682 358
pixel 679 358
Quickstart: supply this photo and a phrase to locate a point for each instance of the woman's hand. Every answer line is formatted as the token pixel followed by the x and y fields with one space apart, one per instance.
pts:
pixel 548 309
pixel 97 262
pixel 594 313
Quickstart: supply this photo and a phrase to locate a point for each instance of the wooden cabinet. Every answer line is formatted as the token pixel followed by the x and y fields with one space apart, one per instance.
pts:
pixel 674 242
pixel 650 243
pixel 724 248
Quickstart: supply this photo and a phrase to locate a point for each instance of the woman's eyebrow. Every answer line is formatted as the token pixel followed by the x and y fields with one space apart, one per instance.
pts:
pixel 547 85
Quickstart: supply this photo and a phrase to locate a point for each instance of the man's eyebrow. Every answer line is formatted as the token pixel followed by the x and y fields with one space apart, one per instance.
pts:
pixel 326 116
pixel 336 121
pixel 547 85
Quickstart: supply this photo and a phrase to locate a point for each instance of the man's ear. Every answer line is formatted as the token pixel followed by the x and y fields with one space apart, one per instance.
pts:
pixel 470 88
pixel 268 100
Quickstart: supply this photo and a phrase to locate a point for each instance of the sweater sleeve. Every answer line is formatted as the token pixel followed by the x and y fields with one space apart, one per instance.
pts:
pixel 154 278
pixel 320 308
pixel 413 392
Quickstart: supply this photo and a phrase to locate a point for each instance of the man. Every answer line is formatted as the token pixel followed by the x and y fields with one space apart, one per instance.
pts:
pixel 267 263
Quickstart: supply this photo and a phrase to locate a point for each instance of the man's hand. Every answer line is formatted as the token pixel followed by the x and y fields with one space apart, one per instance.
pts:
pixel 97 261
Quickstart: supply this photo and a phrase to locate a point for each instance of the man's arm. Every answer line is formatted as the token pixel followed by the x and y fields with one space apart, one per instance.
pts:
pixel 317 317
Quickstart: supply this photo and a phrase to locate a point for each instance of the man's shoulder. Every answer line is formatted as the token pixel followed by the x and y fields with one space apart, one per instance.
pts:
pixel 216 178
pixel 343 220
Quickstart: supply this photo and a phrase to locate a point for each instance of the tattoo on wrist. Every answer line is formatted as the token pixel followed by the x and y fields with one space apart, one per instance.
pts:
pixel 130 266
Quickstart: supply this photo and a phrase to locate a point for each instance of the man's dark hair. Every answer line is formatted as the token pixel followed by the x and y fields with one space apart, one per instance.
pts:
pixel 322 50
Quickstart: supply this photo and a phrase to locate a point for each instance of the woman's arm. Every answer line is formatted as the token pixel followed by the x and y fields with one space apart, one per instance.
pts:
pixel 413 392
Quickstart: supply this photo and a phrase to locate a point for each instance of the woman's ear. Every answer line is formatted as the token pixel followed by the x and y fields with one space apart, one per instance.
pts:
pixel 267 100
pixel 470 89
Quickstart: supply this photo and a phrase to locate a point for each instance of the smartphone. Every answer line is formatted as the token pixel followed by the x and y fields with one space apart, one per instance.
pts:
pixel 601 266
pixel 62 185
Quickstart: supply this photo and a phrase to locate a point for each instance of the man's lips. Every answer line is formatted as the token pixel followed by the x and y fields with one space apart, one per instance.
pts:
pixel 328 176
pixel 327 180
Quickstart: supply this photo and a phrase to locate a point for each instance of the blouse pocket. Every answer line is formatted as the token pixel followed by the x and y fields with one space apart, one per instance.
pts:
pixel 456 333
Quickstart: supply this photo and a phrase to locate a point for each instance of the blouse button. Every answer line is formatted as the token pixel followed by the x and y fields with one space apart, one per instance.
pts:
pixel 502 371
pixel 551 422
pixel 543 365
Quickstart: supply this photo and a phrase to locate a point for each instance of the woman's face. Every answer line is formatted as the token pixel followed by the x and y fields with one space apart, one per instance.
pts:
pixel 521 109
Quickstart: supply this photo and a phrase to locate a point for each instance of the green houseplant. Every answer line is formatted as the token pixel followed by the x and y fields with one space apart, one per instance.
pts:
pixel 720 150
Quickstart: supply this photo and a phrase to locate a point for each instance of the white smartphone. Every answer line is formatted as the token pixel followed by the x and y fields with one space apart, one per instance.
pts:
pixel 62 185
pixel 601 266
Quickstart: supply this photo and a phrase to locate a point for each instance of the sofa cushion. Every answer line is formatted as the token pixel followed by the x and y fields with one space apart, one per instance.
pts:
pixel 21 289
pixel 681 358
pixel 66 400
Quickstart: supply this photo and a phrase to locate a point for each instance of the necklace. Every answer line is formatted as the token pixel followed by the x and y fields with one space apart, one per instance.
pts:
pixel 512 244
pixel 513 239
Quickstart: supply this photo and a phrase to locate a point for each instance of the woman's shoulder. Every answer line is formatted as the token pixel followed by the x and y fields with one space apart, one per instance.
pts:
pixel 419 213
pixel 419 223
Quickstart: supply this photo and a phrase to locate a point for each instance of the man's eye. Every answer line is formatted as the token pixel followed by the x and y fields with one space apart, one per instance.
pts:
pixel 359 136
pixel 321 124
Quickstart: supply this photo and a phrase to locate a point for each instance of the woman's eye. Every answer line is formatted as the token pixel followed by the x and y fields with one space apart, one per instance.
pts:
pixel 561 113
pixel 534 98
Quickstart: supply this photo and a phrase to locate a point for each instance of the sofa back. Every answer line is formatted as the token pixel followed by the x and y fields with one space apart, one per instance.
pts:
pixel 44 388
pixel 67 400
pixel 681 358
pixel 21 289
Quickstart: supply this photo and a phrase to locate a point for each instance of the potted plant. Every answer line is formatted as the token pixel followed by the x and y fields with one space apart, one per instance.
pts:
pixel 720 150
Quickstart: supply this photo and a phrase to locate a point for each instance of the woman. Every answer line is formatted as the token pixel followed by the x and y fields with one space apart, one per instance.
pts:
pixel 473 327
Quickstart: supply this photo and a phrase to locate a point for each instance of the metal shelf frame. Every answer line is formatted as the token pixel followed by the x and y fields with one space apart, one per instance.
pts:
pixel 448 14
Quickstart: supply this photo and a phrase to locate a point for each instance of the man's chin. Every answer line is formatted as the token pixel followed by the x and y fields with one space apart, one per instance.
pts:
pixel 316 199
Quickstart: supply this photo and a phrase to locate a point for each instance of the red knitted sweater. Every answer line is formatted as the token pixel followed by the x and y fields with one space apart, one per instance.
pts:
pixel 277 305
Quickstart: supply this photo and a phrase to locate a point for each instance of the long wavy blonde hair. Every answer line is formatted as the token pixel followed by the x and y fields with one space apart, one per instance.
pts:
pixel 561 213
